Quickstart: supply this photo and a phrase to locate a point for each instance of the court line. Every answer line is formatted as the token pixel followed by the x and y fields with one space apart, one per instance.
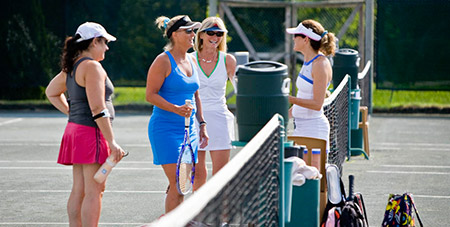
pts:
pixel 432 196
pixel 70 168
pixel 417 166
pixel 382 144
pixel 408 172
pixel 64 223
pixel 54 161
pixel 10 121
pixel 438 149
pixel 68 191
pixel 40 143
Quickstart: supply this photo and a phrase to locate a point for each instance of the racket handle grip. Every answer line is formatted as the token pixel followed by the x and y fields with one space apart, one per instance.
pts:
pixel 187 119
pixel 102 173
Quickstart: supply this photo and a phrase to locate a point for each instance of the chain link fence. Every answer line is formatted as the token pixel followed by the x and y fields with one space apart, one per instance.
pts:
pixel 259 28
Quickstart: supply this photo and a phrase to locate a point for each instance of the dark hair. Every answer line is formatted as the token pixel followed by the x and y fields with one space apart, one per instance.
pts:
pixel 328 42
pixel 71 51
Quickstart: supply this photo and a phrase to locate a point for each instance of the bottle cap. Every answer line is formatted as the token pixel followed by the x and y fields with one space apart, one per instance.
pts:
pixel 315 151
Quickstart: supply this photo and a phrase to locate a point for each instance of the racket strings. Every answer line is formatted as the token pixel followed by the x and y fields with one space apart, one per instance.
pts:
pixel 185 177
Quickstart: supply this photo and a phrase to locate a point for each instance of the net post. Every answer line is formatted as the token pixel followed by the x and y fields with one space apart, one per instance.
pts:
pixel 349 152
pixel 281 210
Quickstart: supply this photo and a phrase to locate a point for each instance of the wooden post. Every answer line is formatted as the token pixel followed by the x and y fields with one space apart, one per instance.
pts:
pixel 368 53
pixel 292 53
pixel 212 8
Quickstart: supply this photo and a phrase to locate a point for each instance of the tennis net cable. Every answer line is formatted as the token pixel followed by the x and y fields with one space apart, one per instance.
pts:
pixel 337 110
pixel 245 192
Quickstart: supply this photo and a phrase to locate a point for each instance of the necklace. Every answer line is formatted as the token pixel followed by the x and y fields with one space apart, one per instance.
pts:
pixel 208 61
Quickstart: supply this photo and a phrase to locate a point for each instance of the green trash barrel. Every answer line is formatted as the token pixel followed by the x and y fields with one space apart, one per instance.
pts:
pixel 345 61
pixel 305 210
pixel 262 91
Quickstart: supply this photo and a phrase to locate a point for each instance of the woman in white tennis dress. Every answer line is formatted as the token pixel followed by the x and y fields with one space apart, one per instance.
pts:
pixel 214 67
pixel 315 43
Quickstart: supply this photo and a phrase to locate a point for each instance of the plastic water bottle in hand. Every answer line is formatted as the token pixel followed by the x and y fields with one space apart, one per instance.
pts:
pixel 104 170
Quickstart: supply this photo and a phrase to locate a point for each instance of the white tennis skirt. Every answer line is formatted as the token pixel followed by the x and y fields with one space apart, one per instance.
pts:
pixel 220 129
pixel 313 127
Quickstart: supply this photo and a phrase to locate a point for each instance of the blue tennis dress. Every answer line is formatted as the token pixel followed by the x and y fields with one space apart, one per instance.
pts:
pixel 166 129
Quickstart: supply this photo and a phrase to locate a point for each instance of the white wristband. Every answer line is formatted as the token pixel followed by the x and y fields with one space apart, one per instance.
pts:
pixel 104 113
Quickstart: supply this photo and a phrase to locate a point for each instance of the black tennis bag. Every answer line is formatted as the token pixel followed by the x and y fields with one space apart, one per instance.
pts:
pixel 350 212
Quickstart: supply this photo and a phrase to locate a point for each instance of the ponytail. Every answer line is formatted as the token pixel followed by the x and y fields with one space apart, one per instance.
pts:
pixel 164 23
pixel 328 44
pixel 71 51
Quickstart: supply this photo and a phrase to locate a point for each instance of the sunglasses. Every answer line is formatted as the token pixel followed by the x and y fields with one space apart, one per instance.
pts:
pixel 299 35
pixel 211 33
pixel 190 30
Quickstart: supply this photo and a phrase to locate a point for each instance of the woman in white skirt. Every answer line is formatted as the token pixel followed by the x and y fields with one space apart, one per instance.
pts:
pixel 315 43
pixel 215 67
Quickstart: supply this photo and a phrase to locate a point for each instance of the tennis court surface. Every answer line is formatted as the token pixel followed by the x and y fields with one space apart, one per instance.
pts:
pixel 408 153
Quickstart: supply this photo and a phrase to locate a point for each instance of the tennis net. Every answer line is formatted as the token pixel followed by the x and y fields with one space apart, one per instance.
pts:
pixel 244 192
pixel 336 109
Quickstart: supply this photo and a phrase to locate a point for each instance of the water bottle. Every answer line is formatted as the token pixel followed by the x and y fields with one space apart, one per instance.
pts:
pixel 315 160
pixel 104 170
pixel 306 156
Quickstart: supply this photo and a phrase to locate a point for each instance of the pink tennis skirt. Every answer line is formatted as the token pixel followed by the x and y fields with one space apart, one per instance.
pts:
pixel 82 145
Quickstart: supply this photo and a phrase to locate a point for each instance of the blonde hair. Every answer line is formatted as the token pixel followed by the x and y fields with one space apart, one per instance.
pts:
pixel 164 23
pixel 327 44
pixel 208 23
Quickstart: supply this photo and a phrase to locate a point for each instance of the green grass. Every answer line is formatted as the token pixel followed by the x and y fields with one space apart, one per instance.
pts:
pixel 129 95
pixel 383 99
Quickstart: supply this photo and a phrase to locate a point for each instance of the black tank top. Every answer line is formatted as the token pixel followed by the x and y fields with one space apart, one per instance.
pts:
pixel 79 110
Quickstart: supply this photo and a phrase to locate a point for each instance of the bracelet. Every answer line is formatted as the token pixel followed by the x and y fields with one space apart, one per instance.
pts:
pixel 104 113
pixel 202 123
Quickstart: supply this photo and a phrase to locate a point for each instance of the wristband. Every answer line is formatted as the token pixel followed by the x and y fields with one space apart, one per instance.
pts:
pixel 202 123
pixel 104 113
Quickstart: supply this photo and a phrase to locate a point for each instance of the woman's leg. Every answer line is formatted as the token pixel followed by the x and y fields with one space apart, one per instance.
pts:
pixel 201 172
pixel 173 198
pixel 76 197
pixel 92 202
pixel 219 159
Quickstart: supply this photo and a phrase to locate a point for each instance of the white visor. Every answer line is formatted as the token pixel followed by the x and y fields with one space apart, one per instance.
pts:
pixel 194 25
pixel 300 29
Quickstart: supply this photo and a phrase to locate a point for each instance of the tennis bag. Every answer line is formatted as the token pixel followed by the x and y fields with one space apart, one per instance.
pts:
pixel 336 197
pixel 353 213
pixel 342 211
pixel 399 211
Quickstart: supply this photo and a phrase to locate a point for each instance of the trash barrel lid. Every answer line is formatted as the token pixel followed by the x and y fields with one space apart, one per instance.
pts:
pixel 346 51
pixel 263 66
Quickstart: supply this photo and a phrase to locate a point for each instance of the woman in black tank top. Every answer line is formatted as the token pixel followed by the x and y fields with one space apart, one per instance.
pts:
pixel 88 139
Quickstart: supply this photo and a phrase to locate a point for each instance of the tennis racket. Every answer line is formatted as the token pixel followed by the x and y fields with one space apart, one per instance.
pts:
pixel 186 161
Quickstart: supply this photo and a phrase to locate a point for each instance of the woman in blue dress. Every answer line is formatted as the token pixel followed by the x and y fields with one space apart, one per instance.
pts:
pixel 171 80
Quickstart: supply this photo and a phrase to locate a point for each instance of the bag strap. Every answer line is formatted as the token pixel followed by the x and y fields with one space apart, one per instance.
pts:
pixel 344 196
pixel 363 208
pixel 415 209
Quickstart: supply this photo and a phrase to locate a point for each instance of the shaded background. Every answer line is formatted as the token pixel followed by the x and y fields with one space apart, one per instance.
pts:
pixel 412 45
pixel 410 38
pixel 32 35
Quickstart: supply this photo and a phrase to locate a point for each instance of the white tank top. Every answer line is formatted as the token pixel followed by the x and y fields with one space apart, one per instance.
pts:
pixel 304 85
pixel 213 87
